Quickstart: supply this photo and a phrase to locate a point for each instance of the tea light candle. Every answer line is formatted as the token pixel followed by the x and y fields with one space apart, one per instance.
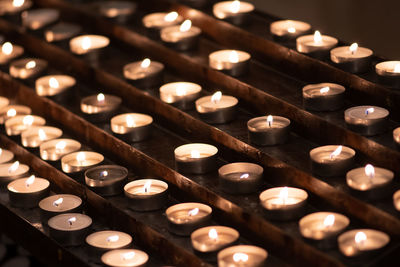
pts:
pixel 396 136
pixel 12 171
pixel 89 45
pixel 284 203
pixel 180 94
pixel 396 199
pixel 39 18
pixel 58 204
pixel 80 161
pixel 36 135
pixel 371 182
pixel 103 241
pixel 69 229
pixel 235 12
pixel 17 124
pixel 120 10
pixel 211 239
pixel 184 218
pixel 5 156
pixel 316 45
pixel 61 31
pixel 144 74
pixel 100 107
pixel 389 73
pixel 146 194
pixel 366 120
pixel 55 86
pixel 196 158
pixel 322 228
pixel 27 68
pixel 352 58
pixel 12 111
pixel 240 177
pixel 323 96
pixel 232 62
pixel 11 7
pixel 362 242
pixel 134 127
pixel 242 256
pixel 183 37
pixel 288 30
pixel 9 52
pixel 217 108
pixel 125 257
pixel 157 21
pixel 4 102
pixel 106 180
pixel 57 148
pixel 331 160
pixel 27 192
pixel 268 130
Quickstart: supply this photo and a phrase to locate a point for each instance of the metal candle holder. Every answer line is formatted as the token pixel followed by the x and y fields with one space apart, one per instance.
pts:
pixel 146 199
pixel 106 180
pixel 67 231
pixel 240 177
pixel 50 206
pixel 323 96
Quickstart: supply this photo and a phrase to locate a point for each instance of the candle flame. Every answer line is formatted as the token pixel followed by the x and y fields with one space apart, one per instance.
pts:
pixel 336 153
pixel 103 174
pixel 284 194
pixel 18 3
pixel 360 238
pixel 101 97
pixel 244 176
pixel 353 48
pixel 324 90
pixel 291 29
pixel 369 170
pixel 86 43
pixel 213 234
pixel 233 57
pixel 81 157
pixel 147 186
pixel 171 16
pixel 53 83
pixel 30 180
pixel 42 134
pixel 7 48
pixel 185 26
pixel 235 6
pixel 195 154
pixel 270 120
pixel 240 257
pixel 317 37
pixel 193 212
pixel 180 90
pixel 11 112
pixel 216 97
pixel 61 145
pixel 13 167
pixel 397 68
pixel 329 220
pixel 145 63
pixel 128 255
pixel 113 238
pixel 58 202
pixel 28 120
pixel 368 111
pixel 30 65
pixel 71 220
pixel 130 122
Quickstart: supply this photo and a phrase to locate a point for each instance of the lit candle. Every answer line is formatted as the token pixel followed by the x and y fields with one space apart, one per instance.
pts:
pixel 396 199
pixel 27 68
pixel 36 135
pixel 11 7
pixel 396 136
pixel 183 37
pixel 211 239
pixel 119 10
pixel 184 218
pixel 9 52
pixel 288 30
pixel 331 160
pixel 58 204
pixel 352 58
pixel 180 94
pixel 77 162
pixel 69 229
pixel 54 149
pixel 196 158
pixel 144 74
pixel 89 45
pixel 242 256
pixel 240 177
pixel 106 180
pixel 146 194
pixel 61 31
pixel 12 171
pixel 133 127
pixel 316 45
pixel 268 130
pixel 235 11
pixel 323 96
pixel 39 18
pixel 217 108
pixel 12 111
pixel 100 107
pixel 17 124
pixel 157 21
pixel 125 257
pixel 27 192
pixel 55 86
pixel 102 241
pixel 6 156
pixel 366 120
pixel 389 73
pixel 232 62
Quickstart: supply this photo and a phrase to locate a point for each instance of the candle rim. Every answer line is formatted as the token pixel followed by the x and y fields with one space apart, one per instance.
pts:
pixel 68 82
pixel 221 230
pixel 142 182
pixel 61 216
pixel 275 24
pixel 182 150
pixel 349 115
pixel 57 196
pixel 221 12
pixel 340 219
pixel 91 239
pixel 245 167
pixel 144 257
pixel 37 120
pixel 330 148
pixel 191 205
pixel 90 180
pixel 335 89
pixel 25 169
pixel 247 249
pixel 386 174
pixel 242 55
pixel 88 155
pixel 370 233
pixel 146 20
pixel 276 118
pixel 8 155
pixel 274 192
pixel 380 70
pixel 351 56
pixel 142 117
pixel 45 182
pixel 34 129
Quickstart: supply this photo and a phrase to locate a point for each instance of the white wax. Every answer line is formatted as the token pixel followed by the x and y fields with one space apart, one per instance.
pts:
pixel 119 123
pixel 44 87
pixel 183 152
pixel 61 31
pixel 91 158
pixel 182 213
pixel 77 44
pixel 343 54
pixel 38 18
pixel 314 90
pixel 222 59
pixel 102 239
pixel 134 71
pixel 19 185
pixel 4 170
pixel 49 150
pixel 323 154
pixel 358 115
pixel 226 9
pixel 61 223
pixel 358 179
pixel 125 258
pixel 306 43
pixel 137 187
pixel 176 91
pixel 286 27
pixel 272 198
pixel 5 156
pixel 312 225
pixel 201 241
pixel 69 202
pixel 205 104
pixel 388 68
pixel 173 34
pixel 157 20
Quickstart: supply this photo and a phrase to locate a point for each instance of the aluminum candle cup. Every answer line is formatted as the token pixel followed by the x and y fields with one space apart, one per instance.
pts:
pixel 133 127
pixel 11 171
pixel 217 108
pixel 146 194
pixel 183 37
pixel 27 192
pixel 61 31
pixel 58 204
pixel 36 135
pixel 366 120
pixel 118 10
pixel 323 96
pixel 323 228
pixel 10 51
pixel 242 256
pixel 235 12
pixel 268 130
pixel 144 74
pixel 39 18
pixel 362 243
pixel 352 58
pixel 231 62
pixel 284 203
pixel 103 241
pixel 370 182
pixel 77 162
pixel 6 156
pixel 69 229
pixel 27 68
pixel 16 125
pixel 180 94
pixel 389 73
pixel 55 149
pixel 125 257
pixel 57 87
pixel 196 158
pixel 240 177
pixel 106 180
pixel 101 107
pixel 12 7
pixel 396 136
pixel 4 102
pixel 184 218
pixel 89 46
pixel 288 30
pixel 156 21
pixel 316 45
pixel 330 161
pixel 12 111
